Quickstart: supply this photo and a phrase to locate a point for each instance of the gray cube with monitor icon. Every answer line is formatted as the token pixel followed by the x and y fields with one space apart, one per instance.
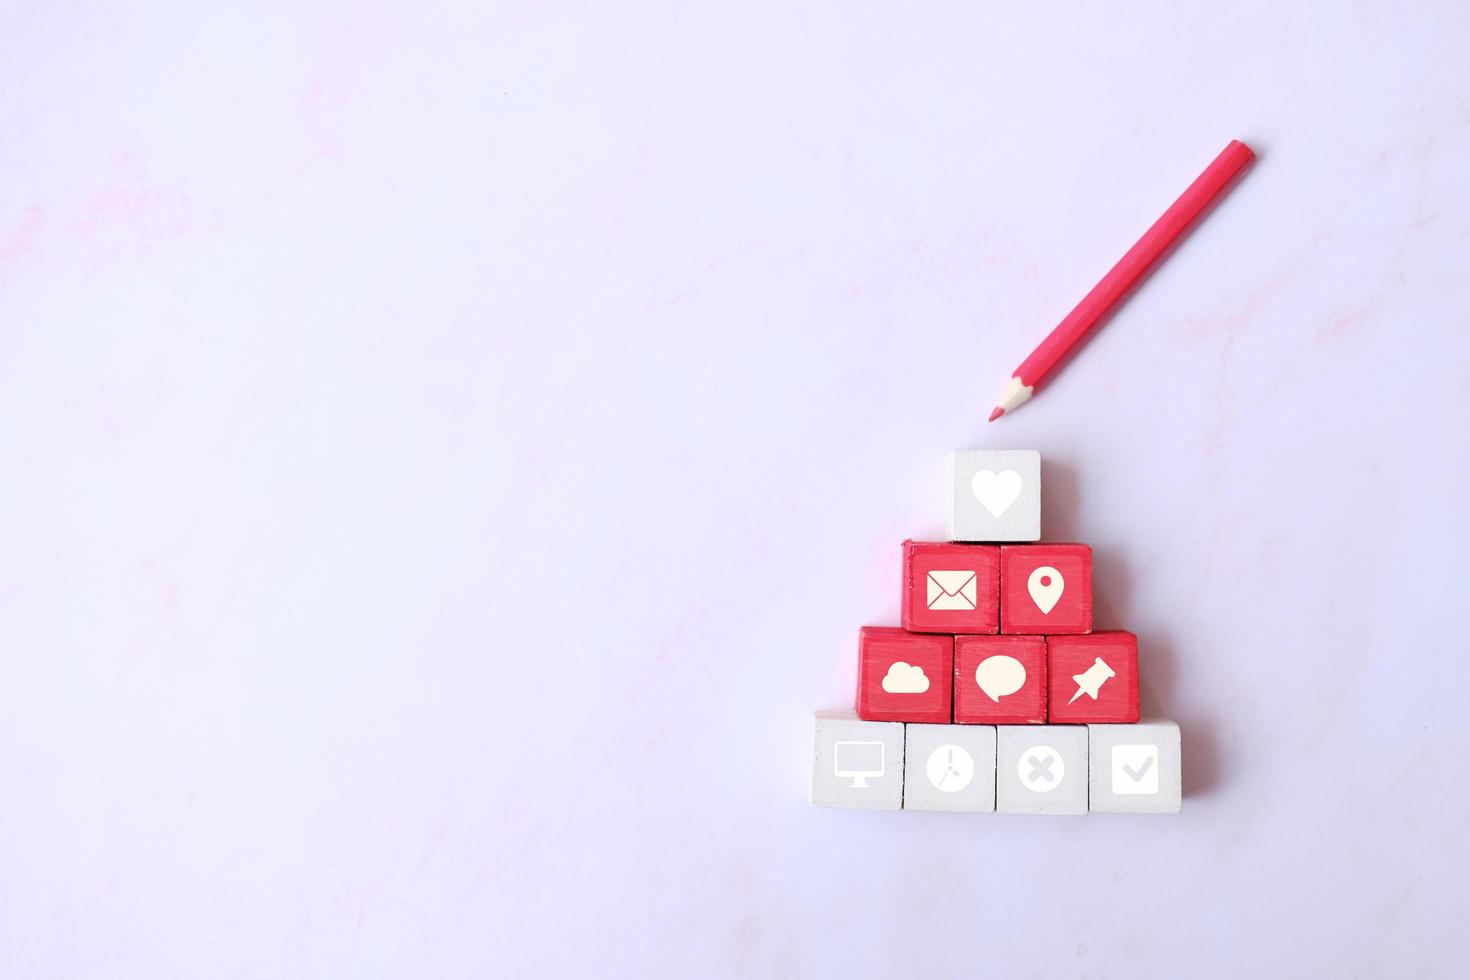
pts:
pixel 1135 768
pixel 949 767
pixel 856 764
pixel 994 494
pixel 1041 769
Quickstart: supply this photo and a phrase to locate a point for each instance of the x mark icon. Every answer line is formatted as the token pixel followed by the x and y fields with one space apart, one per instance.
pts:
pixel 1040 769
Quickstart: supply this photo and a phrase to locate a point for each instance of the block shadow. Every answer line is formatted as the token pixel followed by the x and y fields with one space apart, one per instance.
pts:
pixel 1158 670
pixel 1158 659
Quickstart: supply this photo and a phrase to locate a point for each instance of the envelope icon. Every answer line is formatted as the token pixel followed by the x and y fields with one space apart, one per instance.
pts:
pixel 952 590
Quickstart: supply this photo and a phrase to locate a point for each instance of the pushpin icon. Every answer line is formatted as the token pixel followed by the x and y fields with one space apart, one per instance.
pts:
pixel 1091 680
pixel 1045 586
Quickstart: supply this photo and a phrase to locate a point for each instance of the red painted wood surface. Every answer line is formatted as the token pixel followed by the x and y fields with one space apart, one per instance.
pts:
pixel 1022 608
pixel 896 655
pixel 951 588
pixel 1133 267
pixel 1024 706
pixel 1114 651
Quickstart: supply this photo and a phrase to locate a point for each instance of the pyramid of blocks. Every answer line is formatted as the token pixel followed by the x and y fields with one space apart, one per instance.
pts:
pixel 996 695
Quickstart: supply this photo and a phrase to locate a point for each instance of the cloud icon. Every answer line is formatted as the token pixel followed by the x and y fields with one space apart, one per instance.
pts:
pixel 903 678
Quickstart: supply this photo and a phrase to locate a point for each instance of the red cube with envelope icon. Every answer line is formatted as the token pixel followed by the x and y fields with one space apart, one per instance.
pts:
pixel 951 588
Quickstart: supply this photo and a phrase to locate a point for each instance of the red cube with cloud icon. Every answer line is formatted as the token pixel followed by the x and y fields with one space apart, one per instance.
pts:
pixel 904 676
pixel 951 588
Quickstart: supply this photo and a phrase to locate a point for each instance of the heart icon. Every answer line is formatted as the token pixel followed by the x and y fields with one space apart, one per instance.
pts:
pixel 996 491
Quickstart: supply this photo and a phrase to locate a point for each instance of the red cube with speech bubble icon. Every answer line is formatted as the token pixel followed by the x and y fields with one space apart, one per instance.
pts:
pixel 999 680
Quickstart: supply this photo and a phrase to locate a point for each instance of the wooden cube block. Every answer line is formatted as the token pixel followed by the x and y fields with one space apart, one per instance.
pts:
pixel 994 495
pixel 904 676
pixel 856 764
pixel 1046 588
pixel 1000 680
pixel 951 588
pixel 1092 678
pixel 949 767
pixel 1135 768
pixel 1041 769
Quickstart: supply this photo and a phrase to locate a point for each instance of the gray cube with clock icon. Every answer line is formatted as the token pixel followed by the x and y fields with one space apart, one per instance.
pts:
pixel 949 767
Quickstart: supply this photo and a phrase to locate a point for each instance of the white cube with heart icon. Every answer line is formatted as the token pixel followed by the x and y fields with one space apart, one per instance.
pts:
pixel 994 495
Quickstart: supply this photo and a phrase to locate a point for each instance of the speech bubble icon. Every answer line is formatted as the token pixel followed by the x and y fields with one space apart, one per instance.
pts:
pixel 1000 675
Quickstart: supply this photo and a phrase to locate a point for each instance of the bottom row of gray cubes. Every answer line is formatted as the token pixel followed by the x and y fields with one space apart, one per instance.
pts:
pixel 887 765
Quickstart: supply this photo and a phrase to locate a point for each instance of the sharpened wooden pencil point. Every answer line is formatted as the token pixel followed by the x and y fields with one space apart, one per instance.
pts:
pixel 1013 397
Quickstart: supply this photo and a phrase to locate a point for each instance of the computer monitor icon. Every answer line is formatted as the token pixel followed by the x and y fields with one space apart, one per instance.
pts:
pixel 858 761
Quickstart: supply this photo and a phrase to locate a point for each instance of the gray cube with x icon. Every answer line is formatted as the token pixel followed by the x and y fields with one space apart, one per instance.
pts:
pixel 1041 769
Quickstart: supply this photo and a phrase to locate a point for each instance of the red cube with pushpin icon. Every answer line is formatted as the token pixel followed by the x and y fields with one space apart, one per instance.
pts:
pixel 1092 679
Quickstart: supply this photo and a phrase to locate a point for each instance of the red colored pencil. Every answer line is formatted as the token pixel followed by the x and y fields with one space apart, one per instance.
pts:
pixel 1083 321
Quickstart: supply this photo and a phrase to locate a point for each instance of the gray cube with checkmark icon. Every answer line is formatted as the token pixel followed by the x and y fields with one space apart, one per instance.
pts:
pixel 1135 768
pixel 1041 769
pixel 949 767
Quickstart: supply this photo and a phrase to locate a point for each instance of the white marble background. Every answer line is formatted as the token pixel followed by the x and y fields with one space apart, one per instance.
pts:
pixel 448 451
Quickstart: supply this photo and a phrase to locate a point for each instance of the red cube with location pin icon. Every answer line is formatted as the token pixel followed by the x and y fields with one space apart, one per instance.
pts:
pixel 1046 589
pixel 1093 679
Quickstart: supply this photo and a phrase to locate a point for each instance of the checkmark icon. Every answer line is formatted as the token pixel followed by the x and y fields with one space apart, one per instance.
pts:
pixel 1135 770
pixel 1138 773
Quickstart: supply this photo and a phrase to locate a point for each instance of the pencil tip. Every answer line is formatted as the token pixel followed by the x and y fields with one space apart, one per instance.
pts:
pixel 997 413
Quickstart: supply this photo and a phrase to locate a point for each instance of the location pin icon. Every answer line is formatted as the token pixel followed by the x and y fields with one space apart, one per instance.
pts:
pixel 1045 586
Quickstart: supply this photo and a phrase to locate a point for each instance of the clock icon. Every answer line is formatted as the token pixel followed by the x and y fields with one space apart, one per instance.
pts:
pixel 950 768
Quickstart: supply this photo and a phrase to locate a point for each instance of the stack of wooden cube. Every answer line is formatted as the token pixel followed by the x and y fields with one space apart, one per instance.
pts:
pixel 996 694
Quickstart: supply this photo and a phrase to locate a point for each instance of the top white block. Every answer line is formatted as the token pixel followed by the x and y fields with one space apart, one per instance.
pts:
pixel 994 495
